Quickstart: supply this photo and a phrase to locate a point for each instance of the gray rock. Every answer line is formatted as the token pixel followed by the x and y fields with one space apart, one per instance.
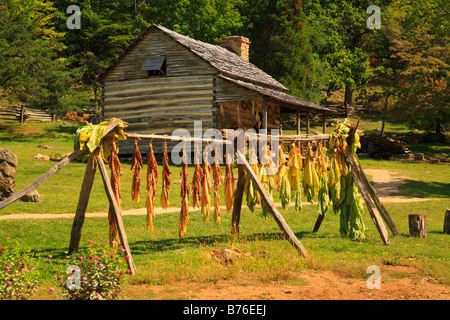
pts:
pixel 8 156
pixel 32 196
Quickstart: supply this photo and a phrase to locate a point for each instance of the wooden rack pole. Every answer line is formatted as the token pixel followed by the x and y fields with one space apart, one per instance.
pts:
pixel 116 212
pixel 83 201
pixel 290 236
pixel 42 178
pixel 237 201
pixel 363 191
pixel 384 213
pixel 158 137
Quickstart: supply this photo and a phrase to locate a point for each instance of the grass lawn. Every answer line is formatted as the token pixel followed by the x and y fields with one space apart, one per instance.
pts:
pixel 162 258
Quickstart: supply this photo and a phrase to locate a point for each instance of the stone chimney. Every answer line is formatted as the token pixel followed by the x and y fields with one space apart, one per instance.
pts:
pixel 238 45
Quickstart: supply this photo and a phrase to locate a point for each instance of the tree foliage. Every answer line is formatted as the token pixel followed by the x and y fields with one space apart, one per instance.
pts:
pixel 311 46
pixel 31 70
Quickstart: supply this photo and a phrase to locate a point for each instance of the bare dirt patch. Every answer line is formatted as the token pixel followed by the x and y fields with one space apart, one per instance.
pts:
pixel 306 285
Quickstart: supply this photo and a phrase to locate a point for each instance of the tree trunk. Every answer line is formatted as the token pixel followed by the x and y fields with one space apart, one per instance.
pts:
pixel 384 115
pixel 438 125
pixel 348 99
pixel 418 225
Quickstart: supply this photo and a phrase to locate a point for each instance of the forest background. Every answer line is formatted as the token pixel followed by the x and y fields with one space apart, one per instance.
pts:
pixel 316 48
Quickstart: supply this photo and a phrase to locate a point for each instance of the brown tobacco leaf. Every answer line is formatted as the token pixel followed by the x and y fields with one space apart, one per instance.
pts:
pixel 136 165
pixel 197 186
pixel 152 179
pixel 206 190
pixel 217 178
pixel 184 214
pixel 166 176
pixel 116 172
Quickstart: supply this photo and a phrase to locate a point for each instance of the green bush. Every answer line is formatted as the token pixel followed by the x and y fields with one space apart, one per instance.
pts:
pixel 18 277
pixel 95 273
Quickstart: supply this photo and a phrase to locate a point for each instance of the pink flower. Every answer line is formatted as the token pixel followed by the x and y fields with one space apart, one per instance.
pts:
pixel 9 283
pixel 83 277
pixel 50 256
pixel 52 289
pixel 88 235
pixel 91 257
pixel 59 278
pixel 81 258
pixel 6 234
pixel 93 246
pixel 96 258
pixel 89 241
pixel 127 257
pixel 1 249
pixel 123 250
pixel 128 271
pixel 121 272
pixel 100 265
pixel 6 268
pixel 112 256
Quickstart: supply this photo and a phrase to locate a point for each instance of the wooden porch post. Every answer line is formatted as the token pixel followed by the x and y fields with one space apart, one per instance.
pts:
pixel 324 123
pixel 264 114
pixel 307 122
pixel 297 113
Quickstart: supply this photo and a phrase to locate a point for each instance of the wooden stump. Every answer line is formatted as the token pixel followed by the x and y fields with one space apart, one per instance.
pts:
pixel 447 222
pixel 418 225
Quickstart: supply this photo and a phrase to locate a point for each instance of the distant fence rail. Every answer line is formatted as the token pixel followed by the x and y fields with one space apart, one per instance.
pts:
pixel 24 114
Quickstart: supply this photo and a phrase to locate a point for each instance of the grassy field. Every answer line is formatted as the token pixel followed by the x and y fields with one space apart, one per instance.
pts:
pixel 164 259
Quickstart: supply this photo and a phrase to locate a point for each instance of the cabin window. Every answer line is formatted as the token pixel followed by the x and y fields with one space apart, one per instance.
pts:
pixel 155 65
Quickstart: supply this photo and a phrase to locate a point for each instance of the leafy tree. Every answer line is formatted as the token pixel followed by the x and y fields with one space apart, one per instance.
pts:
pixel 411 63
pixel 281 45
pixel 107 28
pixel 338 37
pixel 204 20
pixel 31 70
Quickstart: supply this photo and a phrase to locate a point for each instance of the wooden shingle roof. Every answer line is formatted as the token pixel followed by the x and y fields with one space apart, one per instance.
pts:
pixel 231 67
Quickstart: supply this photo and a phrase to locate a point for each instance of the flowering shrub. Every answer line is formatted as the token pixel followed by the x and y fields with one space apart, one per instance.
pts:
pixel 96 274
pixel 18 277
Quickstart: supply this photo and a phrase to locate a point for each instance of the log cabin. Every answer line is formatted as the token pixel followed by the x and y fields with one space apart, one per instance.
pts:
pixel 165 81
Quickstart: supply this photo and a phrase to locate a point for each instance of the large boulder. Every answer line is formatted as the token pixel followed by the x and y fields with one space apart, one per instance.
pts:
pixel 8 165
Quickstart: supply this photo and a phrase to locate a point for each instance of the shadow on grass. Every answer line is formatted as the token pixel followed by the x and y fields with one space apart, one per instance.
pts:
pixel 420 189
pixel 146 247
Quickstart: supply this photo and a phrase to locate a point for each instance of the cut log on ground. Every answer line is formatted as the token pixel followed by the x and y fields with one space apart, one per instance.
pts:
pixel 418 225
pixel 447 222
